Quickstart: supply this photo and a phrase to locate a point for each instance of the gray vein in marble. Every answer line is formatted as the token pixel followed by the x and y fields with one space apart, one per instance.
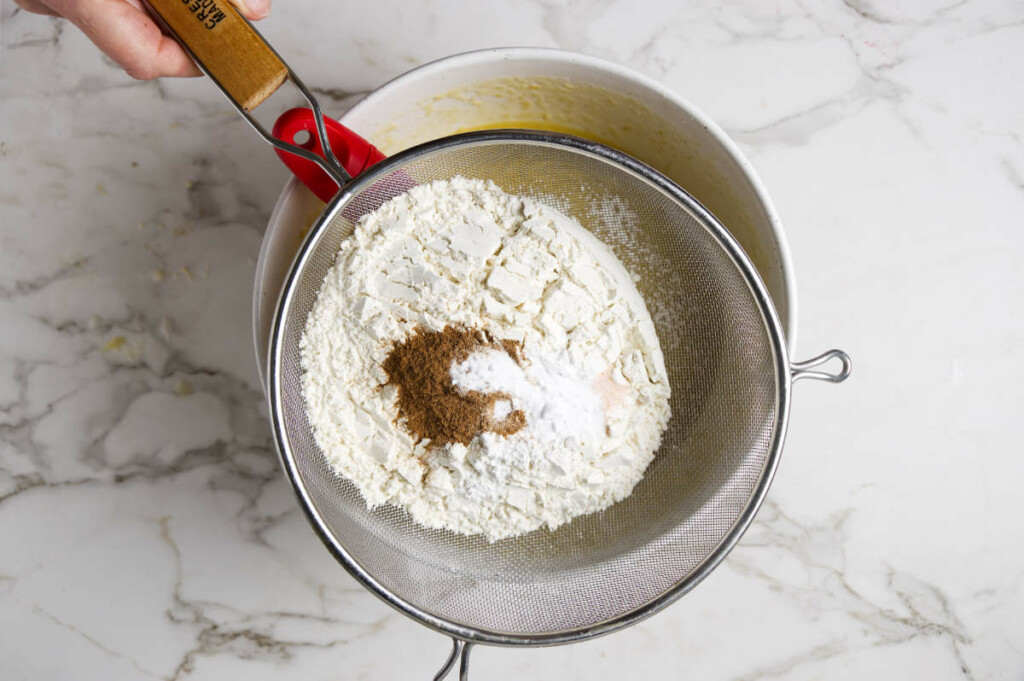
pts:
pixel 927 611
pixel 32 481
pixel 117 81
pixel 51 40
pixel 567 22
pixel 996 27
pixel 26 286
pixel 335 94
pixel 1013 174
pixel 798 128
pixel 236 638
pixel 866 10
pixel 873 86
pixel 75 630
pixel 135 381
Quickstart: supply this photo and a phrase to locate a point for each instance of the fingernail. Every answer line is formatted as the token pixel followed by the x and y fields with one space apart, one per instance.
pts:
pixel 258 8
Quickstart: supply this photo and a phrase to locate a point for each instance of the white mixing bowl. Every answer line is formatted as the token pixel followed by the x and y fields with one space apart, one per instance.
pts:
pixel 555 90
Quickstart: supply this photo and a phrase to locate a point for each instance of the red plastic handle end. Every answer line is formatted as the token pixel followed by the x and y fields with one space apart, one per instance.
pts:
pixel 298 126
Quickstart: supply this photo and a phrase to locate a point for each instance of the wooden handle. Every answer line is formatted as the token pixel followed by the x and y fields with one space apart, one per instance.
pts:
pixel 226 46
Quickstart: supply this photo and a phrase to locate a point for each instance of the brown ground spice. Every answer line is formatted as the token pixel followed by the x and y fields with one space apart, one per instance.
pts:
pixel 432 407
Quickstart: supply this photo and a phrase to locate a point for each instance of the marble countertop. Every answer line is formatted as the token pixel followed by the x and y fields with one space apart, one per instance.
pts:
pixel 145 529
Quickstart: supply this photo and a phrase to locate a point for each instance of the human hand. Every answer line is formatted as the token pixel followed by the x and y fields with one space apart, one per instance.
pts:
pixel 128 35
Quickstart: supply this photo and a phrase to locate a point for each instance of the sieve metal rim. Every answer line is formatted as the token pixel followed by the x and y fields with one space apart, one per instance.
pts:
pixel 458 630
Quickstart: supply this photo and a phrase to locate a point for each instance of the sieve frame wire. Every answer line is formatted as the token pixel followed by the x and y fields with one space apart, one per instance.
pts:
pixel 715 229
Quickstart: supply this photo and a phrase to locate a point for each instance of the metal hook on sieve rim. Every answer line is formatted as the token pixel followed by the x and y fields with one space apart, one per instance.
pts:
pixel 800 370
pixel 460 651
pixel 330 164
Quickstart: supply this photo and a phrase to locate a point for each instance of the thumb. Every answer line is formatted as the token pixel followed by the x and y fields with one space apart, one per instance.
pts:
pixel 252 9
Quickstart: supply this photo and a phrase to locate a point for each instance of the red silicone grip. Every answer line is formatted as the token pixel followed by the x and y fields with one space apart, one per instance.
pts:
pixel 354 153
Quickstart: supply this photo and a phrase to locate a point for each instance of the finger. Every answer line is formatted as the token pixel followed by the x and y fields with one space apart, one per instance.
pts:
pixel 129 37
pixel 36 7
pixel 252 9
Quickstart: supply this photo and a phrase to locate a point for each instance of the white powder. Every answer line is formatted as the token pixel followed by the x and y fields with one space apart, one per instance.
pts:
pixel 593 381
pixel 558 398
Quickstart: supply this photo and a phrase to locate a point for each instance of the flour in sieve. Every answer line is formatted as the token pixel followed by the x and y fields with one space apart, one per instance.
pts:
pixel 462 252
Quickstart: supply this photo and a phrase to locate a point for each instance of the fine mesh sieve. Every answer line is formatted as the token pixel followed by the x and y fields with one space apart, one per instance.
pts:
pixel 730 381
pixel 724 351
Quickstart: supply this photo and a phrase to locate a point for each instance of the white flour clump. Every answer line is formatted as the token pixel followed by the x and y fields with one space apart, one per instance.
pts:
pixel 590 378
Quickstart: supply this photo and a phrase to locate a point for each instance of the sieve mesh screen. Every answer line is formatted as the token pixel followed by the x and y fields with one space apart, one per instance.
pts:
pixel 720 443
